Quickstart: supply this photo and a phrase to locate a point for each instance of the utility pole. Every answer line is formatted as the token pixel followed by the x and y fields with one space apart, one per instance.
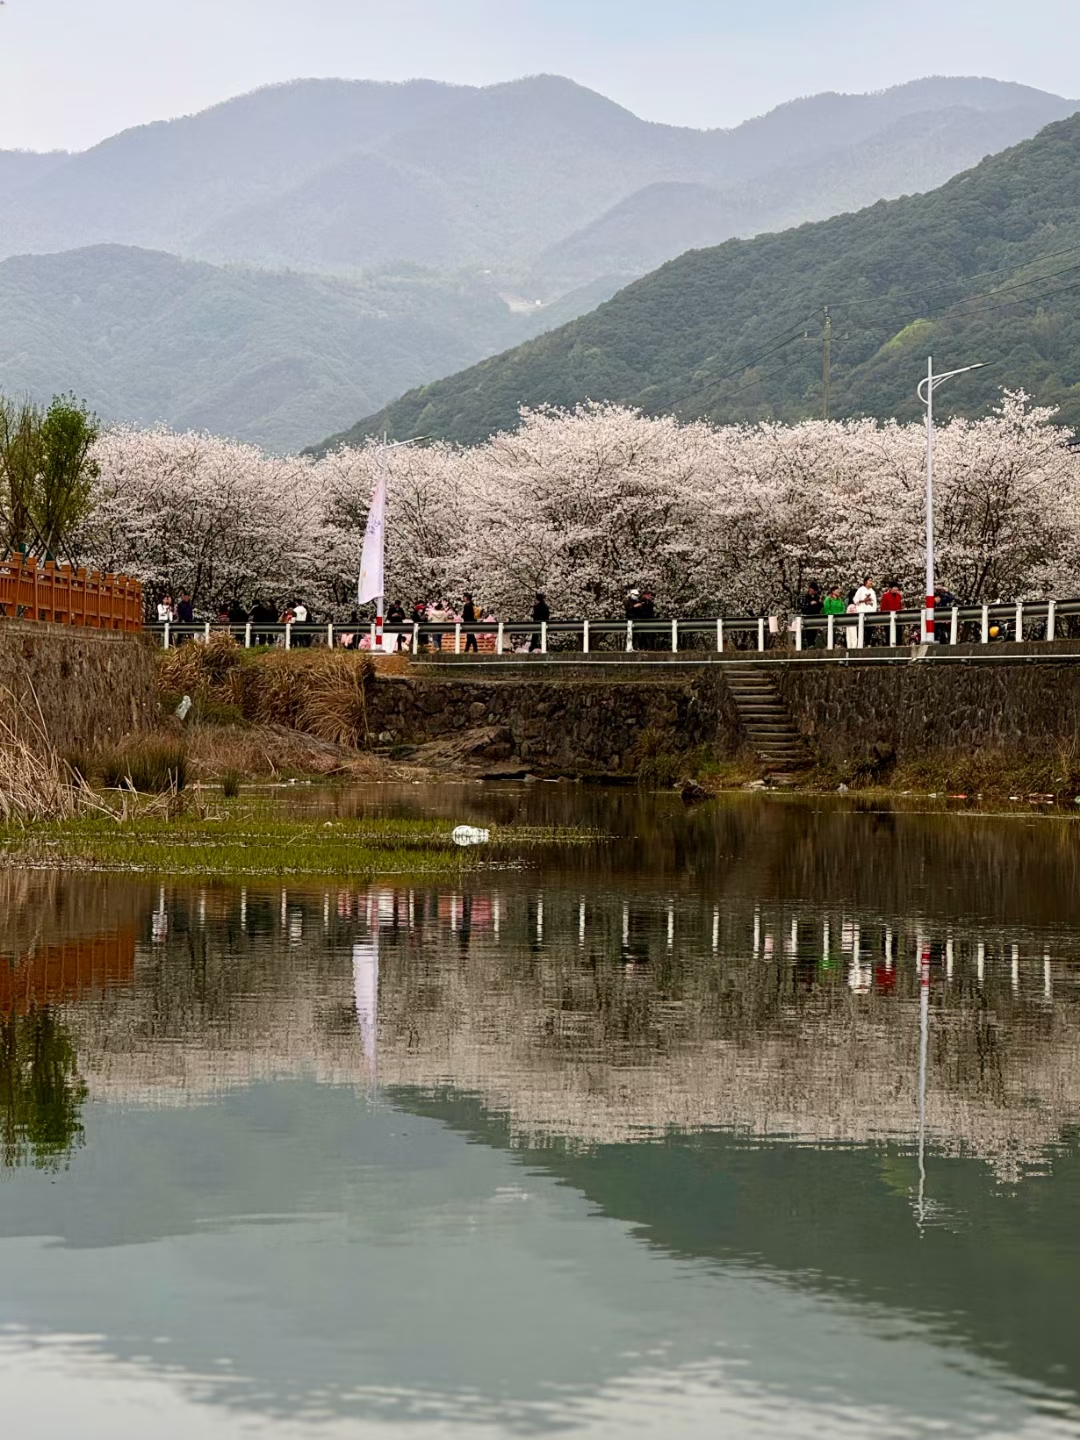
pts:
pixel 827 366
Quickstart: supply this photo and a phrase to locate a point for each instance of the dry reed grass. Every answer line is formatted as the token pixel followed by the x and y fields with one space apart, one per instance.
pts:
pixel 38 784
pixel 35 783
pixel 270 752
pixel 320 692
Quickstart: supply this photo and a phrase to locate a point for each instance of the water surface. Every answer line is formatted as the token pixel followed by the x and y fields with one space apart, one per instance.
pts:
pixel 757 1119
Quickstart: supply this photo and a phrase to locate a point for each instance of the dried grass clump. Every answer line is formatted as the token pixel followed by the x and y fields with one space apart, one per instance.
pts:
pixel 202 666
pixel 321 692
pixel 270 752
pixel 35 782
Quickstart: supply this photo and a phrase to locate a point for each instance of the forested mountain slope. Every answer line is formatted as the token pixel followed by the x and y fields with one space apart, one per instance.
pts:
pixel 985 268
pixel 251 354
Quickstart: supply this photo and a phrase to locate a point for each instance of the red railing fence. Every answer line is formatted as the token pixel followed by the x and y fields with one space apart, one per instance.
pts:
pixel 65 596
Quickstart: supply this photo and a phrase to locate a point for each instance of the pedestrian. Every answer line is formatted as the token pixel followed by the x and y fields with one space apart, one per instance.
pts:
pixel 396 616
pixel 833 604
pixel 185 611
pixel 865 597
pixel 633 605
pixel 263 613
pixel 418 616
pixel 944 599
pixel 541 614
pixel 811 602
pixel 892 599
pixel 166 614
pixel 810 607
pixel 237 613
pixel 439 614
pixel 469 617
pixel 300 617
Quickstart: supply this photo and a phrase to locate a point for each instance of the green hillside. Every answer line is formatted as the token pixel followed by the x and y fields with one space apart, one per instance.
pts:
pixel 256 355
pixel 985 268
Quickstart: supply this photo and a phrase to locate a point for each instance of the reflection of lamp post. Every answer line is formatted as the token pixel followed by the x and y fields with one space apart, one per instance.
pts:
pixel 926 395
pixel 924 1045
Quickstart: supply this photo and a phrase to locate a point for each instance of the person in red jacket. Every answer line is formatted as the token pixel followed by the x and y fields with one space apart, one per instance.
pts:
pixel 891 598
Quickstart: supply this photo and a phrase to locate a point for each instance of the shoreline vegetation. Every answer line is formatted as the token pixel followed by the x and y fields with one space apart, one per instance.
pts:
pixel 250 838
pixel 214 795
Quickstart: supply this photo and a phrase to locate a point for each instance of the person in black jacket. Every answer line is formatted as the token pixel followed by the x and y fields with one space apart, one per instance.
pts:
pixel 469 617
pixel 541 614
pixel 396 616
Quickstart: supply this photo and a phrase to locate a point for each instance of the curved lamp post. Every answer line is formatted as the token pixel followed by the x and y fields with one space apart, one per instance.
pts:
pixel 926 395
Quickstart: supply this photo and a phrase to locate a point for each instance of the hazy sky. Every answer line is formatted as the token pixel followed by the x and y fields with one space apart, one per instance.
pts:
pixel 74 71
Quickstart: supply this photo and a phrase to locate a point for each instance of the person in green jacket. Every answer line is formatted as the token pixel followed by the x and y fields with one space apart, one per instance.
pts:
pixel 834 604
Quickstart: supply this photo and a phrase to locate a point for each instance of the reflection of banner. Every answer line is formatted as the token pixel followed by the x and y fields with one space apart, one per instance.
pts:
pixel 366 990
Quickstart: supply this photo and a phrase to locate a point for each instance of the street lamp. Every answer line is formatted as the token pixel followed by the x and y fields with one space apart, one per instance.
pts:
pixel 926 395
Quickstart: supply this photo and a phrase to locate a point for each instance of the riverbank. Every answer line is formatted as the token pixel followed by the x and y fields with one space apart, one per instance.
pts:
pixel 1011 728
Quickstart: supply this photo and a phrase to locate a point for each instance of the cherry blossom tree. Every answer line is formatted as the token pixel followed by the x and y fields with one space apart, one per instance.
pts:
pixel 193 512
pixel 586 503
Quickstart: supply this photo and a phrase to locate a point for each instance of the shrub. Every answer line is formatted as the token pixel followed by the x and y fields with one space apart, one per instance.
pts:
pixel 230 784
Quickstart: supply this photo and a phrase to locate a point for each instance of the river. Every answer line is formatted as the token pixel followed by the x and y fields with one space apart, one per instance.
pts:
pixel 758 1118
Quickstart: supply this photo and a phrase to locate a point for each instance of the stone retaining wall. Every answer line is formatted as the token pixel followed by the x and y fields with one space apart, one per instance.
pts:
pixel 850 713
pixel 92 687
pixel 604 725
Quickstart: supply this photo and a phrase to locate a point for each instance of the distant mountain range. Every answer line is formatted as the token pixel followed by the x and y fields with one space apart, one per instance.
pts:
pixel 333 175
pixel 525 203
pixel 986 268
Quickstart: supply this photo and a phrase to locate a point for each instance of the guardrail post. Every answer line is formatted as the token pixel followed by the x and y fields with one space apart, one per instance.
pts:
pixel 206 632
pixel 457 639
pixel 892 629
pixel 1019 620
pixel 674 637
pixel 247 636
pixel 374 633
pixel 719 637
pixel 761 634
pixel 543 637
pixel 954 626
pixel 499 640
pixel 629 635
pixel 830 634
pixel 288 635
pixel 166 634
pixel 798 632
pixel 585 638
pixel 330 635
pixel 1051 619
pixel 986 624
pixel 861 633
pixel 416 637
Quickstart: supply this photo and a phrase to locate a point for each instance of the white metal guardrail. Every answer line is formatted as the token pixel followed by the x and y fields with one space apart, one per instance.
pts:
pixel 1029 620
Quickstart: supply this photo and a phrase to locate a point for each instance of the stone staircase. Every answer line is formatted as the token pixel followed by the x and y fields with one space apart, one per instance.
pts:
pixel 767 721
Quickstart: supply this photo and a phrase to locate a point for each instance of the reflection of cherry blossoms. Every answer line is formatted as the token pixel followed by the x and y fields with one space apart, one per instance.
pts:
pixel 582 504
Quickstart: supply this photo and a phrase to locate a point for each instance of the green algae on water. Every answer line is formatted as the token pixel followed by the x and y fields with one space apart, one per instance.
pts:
pixel 245 839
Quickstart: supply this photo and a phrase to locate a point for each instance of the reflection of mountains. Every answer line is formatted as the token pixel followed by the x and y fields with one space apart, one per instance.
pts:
pixel 600 1019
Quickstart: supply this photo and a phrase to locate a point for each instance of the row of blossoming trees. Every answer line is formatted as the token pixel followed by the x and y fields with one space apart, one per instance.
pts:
pixel 583 504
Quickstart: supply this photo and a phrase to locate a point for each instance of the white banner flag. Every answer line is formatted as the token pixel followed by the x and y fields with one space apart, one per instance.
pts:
pixel 372 583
